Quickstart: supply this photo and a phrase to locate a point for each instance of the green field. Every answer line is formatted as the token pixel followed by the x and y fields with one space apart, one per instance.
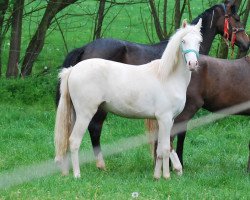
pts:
pixel 215 155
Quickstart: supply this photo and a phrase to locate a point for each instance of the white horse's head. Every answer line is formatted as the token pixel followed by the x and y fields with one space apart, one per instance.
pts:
pixel 190 44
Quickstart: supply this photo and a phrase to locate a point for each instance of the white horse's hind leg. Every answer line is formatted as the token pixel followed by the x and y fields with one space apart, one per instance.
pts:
pixel 64 165
pixel 75 140
pixel 176 162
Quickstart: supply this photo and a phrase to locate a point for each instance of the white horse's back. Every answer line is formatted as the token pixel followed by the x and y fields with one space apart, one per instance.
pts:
pixel 130 91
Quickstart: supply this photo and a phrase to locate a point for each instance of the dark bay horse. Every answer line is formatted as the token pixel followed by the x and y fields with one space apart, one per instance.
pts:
pixel 132 53
pixel 217 84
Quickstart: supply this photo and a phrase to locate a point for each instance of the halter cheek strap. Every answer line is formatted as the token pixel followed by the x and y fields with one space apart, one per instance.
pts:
pixel 184 52
pixel 226 27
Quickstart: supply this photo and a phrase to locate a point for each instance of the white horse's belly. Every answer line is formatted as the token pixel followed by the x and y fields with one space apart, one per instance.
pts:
pixel 127 111
pixel 181 104
pixel 131 105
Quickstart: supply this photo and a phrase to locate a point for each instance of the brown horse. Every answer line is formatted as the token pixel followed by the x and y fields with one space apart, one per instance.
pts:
pixel 132 53
pixel 218 84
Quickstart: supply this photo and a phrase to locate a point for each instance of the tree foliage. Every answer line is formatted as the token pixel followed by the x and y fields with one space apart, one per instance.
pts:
pixel 165 16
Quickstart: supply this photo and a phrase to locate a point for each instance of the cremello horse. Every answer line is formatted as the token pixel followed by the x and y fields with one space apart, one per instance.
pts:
pixel 156 90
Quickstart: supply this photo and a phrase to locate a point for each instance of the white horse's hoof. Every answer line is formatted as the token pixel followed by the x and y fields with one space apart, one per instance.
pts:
pixel 166 176
pixel 77 176
pixel 100 165
pixel 157 175
pixel 58 160
pixel 179 172
pixel 65 173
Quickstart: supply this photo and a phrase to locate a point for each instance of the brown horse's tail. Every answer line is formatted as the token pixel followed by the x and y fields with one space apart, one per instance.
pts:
pixel 64 114
pixel 152 128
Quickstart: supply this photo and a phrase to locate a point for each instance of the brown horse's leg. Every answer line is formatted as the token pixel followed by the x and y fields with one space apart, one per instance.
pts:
pixel 193 104
pixel 180 145
pixel 95 128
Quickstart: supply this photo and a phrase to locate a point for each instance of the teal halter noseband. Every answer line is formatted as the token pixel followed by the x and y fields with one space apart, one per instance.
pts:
pixel 189 51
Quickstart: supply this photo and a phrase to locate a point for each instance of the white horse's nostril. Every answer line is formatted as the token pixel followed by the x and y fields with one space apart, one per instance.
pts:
pixel 189 63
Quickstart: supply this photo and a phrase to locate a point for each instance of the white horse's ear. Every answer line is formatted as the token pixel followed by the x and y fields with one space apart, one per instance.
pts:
pixel 198 25
pixel 184 23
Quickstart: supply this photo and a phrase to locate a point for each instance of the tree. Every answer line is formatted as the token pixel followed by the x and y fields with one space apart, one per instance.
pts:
pixel 36 44
pixel 15 42
pixel 3 7
pixel 161 29
pixel 99 20
pixel 177 14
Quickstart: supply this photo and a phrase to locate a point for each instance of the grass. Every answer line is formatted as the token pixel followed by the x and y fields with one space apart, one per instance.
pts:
pixel 215 160
pixel 215 155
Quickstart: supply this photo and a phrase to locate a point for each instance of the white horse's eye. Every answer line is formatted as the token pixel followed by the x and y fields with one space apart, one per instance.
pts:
pixel 183 41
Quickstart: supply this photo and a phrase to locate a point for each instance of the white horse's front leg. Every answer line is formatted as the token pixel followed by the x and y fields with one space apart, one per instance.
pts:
pixel 158 168
pixel 163 150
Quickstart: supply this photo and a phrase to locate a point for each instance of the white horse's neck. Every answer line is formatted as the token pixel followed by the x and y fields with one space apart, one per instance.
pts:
pixel 172 56
pixel 181 76
pixel 182 70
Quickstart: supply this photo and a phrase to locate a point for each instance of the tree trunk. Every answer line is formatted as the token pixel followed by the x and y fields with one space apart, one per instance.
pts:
pixel 36 44
pixel 156 20
pixel 189 11
pixel 161 30
pixel 177 14
pixel 99 20
pixel 3 7
pixel 165 8
pixel 15 40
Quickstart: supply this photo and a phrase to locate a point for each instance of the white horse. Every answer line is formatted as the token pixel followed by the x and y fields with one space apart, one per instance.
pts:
pixel 156 90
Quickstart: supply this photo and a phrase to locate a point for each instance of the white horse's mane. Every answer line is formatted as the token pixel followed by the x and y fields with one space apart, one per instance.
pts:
pixel 169 59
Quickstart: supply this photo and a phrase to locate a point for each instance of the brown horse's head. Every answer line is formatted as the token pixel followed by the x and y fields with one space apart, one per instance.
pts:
pixel 230 26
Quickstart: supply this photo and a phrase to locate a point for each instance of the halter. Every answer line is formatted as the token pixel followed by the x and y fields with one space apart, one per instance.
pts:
pixel 189 51
pixel 235 30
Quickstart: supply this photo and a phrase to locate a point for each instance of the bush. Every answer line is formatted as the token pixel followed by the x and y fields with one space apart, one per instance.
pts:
pixel 31 90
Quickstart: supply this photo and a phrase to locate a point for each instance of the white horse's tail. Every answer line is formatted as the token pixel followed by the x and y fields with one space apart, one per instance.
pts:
pixel 152 129
pixel 64 114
